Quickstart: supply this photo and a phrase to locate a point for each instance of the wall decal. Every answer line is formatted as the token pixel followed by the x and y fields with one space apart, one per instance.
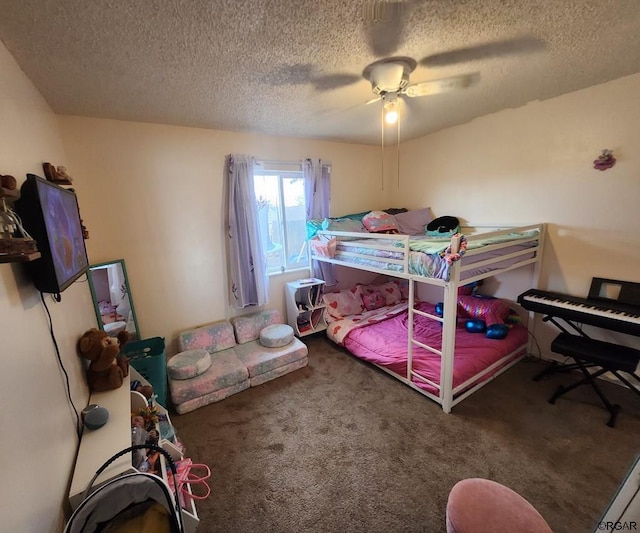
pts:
pixel 605 160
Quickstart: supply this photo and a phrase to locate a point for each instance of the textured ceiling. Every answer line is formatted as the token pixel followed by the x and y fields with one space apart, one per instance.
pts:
pixel 269 66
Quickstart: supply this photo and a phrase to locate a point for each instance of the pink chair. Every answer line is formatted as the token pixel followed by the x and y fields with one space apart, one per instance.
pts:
pixel 483 506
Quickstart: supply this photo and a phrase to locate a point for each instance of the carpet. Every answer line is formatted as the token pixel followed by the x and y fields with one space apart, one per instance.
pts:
pixel 340 446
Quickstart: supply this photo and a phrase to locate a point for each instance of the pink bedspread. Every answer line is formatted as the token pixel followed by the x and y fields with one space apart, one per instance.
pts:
pixel 385 343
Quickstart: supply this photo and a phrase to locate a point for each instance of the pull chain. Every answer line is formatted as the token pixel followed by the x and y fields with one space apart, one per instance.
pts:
pixel 382 147
pixel 398 150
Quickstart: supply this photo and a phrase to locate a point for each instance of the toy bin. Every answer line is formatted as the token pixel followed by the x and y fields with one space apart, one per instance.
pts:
pixel 148 357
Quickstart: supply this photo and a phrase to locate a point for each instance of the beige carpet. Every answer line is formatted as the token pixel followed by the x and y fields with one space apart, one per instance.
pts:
pixel 341 446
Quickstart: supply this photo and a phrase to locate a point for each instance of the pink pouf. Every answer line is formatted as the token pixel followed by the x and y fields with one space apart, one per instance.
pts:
pixel 483 506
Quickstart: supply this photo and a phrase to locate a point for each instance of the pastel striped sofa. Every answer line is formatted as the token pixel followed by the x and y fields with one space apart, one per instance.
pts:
pixel 226 357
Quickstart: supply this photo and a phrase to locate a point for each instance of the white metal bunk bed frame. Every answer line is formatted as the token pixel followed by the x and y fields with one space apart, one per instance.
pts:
pixel 448 396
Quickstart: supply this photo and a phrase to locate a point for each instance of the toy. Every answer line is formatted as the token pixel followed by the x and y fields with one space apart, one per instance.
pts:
pixel 150 416
pixel 108 367
pixel 483 314
pixel 62 176
pixel 8 182
pixel 145 390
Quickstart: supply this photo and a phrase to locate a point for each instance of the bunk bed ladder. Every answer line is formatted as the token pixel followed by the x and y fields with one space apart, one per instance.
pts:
pixel 410 340
pixel 450 315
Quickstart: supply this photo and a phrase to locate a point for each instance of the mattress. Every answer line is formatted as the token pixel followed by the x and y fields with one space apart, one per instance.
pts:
pixel 426 255
pixel 384 343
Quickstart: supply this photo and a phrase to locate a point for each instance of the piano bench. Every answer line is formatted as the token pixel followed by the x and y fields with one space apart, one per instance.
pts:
pixel 600 353
pixel 606 356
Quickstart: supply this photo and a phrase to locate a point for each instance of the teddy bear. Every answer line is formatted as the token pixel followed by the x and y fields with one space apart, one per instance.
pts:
pixel 108 367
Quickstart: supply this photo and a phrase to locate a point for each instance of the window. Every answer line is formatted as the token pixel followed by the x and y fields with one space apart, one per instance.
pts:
pixel 282 216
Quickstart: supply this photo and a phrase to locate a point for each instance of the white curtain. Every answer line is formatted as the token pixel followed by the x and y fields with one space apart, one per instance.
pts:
pixel 317 191
pixel 249 284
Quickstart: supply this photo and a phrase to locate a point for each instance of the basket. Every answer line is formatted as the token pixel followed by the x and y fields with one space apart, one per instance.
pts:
pixel 148 357
pixel 324 246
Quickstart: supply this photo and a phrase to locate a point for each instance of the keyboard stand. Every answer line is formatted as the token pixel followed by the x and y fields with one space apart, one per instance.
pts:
pixel 555 367
pixel 590 353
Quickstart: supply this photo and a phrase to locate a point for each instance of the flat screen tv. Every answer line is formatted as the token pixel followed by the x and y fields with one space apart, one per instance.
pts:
pixel 50 215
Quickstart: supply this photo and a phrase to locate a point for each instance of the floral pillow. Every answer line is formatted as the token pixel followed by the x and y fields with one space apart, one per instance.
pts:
pixel 343 303
pixel 380 222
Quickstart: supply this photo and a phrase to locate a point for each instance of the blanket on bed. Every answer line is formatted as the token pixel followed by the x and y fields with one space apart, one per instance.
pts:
pixel 339 329
pixel 384 343
pixel 437 245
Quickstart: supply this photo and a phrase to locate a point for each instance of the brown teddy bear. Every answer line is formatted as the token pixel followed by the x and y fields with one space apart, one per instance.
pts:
pixel 108 367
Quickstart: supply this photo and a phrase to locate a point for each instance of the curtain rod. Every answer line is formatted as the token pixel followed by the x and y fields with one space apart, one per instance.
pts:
pixel 274 162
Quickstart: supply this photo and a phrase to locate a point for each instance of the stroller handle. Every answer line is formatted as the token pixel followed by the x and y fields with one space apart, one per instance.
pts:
pixel 154 448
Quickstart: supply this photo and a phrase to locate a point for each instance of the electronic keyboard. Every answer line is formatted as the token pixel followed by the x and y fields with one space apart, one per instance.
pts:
pixel 596 311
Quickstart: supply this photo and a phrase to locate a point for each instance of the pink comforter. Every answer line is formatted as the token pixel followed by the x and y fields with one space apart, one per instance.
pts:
pixel 385 343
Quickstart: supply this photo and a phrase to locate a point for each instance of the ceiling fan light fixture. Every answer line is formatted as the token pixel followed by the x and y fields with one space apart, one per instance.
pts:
pixel 391 112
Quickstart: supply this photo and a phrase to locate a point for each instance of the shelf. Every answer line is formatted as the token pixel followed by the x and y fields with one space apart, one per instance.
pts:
pixel 19 258
pixel 302 311
pixel 9 194
pixel 97 446
pixel 305 307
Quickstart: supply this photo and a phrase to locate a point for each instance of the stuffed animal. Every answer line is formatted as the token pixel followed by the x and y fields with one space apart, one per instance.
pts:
pixel 145 390
pixel 483 314
pixel 108 367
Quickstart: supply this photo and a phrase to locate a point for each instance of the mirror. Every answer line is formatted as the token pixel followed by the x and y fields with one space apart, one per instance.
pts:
pixel 112 299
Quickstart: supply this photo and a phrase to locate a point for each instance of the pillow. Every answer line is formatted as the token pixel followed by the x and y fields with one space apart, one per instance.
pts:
pixel 343 303
pixel 379 222
pixel 342 224
pixel 373 300
pixel 391 292
pixel 413 222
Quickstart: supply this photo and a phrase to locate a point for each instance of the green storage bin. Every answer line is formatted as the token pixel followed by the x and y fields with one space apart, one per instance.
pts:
pixel 149 358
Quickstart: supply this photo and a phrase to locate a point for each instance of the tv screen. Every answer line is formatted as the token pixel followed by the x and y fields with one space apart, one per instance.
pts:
pixel 50 214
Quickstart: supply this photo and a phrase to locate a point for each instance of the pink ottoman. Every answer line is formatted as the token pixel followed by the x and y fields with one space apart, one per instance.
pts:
pixel 483 506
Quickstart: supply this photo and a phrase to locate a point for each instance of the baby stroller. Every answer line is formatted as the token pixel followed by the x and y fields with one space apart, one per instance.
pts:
pixel 124 503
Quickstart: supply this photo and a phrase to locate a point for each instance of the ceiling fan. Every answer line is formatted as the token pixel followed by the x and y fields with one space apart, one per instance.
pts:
pixel 389 78
pixel 383 23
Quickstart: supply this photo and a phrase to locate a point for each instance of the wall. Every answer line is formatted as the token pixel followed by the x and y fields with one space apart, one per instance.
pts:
pixel 37 425
pixel 534 164
pixel 154 195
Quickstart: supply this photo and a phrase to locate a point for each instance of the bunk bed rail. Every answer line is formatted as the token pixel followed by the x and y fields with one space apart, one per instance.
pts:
pixel 390 254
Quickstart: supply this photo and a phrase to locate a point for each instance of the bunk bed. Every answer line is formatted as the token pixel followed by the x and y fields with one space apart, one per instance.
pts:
pixel 431 352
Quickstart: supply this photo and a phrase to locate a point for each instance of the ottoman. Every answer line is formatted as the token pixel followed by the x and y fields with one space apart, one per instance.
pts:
pixel 484 506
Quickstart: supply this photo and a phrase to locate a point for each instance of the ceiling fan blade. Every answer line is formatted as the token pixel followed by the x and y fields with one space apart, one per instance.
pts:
pixel 517 45
pixel 333 81
pixel 384 25
pixel 297 74
pixel 442 85
pixel 373 100
pixel 304 73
